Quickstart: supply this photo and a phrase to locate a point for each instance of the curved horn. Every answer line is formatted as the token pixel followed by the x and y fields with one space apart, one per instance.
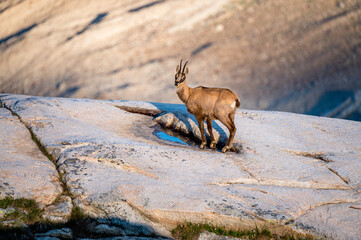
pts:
pixel 184 66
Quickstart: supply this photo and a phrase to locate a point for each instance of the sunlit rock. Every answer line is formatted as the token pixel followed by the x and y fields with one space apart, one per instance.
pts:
pixel 292 170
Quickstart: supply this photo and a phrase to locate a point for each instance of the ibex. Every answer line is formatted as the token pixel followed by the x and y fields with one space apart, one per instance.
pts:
pixel 208 104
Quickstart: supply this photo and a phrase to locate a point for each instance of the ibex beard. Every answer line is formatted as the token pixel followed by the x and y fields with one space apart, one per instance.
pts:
pixel 208 104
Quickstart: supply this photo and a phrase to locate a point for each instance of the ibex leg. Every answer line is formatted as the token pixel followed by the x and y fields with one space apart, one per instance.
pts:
pixel 201 128
pixel 210 131
pixel 228 121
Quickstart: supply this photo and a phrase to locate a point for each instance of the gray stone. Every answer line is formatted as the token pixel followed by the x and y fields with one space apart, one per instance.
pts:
pixel 328 217
pixel 6 211
pixel 60 211
pixel 212 236
pixel 14 224
pixel 47 238
pixel 108 230
pixel 291 168
pixel 64 233
pixel 9 210
pixel 132 229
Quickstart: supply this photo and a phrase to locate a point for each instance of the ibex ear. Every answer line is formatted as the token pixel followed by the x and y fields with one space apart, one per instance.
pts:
pixel 186 71
pixel 177 69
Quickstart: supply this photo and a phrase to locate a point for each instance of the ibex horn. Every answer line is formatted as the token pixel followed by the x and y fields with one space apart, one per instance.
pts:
pixel 180 65
pixel 184 66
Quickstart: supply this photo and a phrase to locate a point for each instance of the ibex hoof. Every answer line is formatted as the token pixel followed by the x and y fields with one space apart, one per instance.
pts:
pixel 225 149
pixel 213 145
pixel 203 145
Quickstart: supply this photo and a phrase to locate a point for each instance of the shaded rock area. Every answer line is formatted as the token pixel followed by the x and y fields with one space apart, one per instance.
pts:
pixel 64 233
pixel 292 171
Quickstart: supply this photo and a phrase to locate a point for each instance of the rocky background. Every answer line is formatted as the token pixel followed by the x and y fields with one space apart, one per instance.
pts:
pixel 297 56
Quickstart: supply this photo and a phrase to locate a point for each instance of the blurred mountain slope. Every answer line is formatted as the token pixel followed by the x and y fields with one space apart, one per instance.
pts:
pixel 276 55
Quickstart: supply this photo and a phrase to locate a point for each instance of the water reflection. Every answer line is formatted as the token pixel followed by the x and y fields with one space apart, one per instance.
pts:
pixel 167 137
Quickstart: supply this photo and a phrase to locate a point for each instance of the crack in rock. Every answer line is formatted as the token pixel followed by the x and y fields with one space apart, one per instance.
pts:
pixel 313 207
pixel 345 180
pixel 355 207
pixel 323 157
pixel 281 183
pixel 51 215
pixel 316 155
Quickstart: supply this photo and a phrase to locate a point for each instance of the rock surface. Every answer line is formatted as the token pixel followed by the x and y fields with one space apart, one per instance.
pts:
pixel 294 170
pixel 25 171
pixel 59 211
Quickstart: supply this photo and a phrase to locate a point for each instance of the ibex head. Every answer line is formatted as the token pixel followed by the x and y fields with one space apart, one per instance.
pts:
pixel 180 76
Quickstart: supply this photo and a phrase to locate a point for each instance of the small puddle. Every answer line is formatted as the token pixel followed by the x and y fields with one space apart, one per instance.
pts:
pixel 167 137
pixel 172 137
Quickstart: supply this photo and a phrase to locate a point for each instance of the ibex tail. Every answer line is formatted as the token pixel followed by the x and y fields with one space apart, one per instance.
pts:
pixel 238 103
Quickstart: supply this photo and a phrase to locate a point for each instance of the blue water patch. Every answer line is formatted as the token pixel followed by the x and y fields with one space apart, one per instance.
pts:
pixel 167 137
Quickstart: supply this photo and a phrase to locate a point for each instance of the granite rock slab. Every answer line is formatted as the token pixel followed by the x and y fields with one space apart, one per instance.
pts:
pixel 293 169
pixel 24 170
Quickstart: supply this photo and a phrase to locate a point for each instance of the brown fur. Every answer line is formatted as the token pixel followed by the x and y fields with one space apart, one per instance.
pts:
pixel 209 104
